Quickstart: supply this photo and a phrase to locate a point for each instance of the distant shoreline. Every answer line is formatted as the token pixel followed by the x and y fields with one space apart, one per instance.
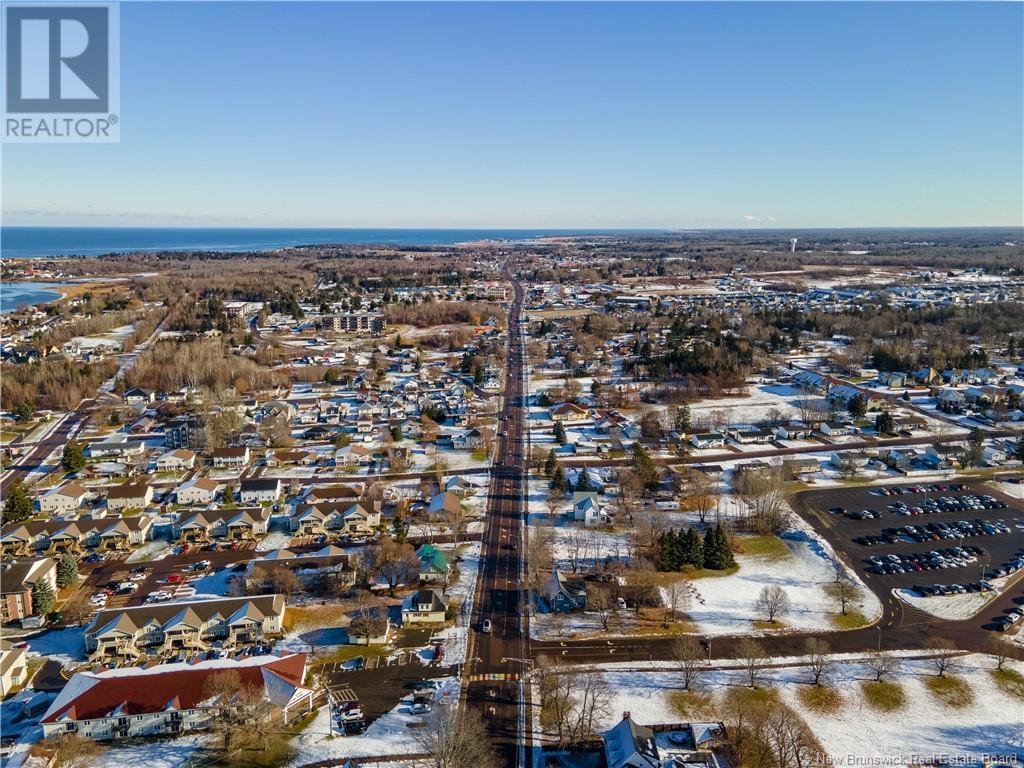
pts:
pixel 56 242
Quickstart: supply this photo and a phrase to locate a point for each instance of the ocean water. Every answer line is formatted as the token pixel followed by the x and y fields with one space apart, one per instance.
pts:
pixel 25 242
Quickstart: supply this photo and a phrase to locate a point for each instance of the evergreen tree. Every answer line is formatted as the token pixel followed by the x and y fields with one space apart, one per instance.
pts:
pixel 558 479
pixel 717 552
pixel 885 424
pixel 857 406
pixel 681 418
pixel 43 598
pixel 399 531
pixel 691 549
pixel 583 482
pixel 18 505
pixel 669 554
pixel 73 458
pixel 559 431
pixel 644 466
pixel 67 570
pixel 396 433
pixel 550 463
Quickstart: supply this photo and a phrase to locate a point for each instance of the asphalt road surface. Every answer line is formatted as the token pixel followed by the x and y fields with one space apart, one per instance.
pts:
pixel 503 651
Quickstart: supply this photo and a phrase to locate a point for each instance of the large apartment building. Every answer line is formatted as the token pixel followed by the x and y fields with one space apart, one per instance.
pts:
pixel 171 699
pixel 358 322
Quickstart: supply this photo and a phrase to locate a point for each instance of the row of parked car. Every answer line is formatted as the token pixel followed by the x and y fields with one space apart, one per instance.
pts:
pixel 969 503
pixel 900 490
pixel 1011 567
pixel 915 562
pixel 960 529
pixel 935 590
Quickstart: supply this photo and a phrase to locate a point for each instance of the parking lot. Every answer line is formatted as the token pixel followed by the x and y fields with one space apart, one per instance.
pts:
pixel 938 538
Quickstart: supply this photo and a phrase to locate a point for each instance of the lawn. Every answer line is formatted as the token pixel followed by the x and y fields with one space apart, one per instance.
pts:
pixel 764 546
pixel 884 695
pixel 952 691
pixel 850 620
pixel 1011 681
pixel 820 698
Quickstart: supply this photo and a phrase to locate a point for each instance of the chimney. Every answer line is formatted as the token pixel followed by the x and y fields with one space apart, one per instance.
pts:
pixel 625 715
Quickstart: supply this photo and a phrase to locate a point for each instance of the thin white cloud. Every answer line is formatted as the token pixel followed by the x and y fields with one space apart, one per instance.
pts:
pixel 751 219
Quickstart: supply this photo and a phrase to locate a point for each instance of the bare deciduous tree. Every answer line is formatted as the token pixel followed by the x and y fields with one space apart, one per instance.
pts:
pixel 455 737
pixel 690 655
pixel 773 601
pixel 754 659
pixel 946 658
pixel 819 660
pixel 843 592
pixel 999 649
pixel 881 664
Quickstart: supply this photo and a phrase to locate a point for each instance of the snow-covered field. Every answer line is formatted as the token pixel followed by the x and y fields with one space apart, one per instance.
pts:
pixel 394 733
pixel 274 540
pixel 156 753
pixel 924 726
pixel 151 550
pixel 726 604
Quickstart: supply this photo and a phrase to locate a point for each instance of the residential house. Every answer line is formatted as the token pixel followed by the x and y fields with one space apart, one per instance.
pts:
pixel 200 490
pixel 327 562
pixel 434 565
pixel 442 504
pixel 13 667
pixel 235 524
pixel 353 455
pixel 259 491
pixel 333 493
pixel 129 496
pixel 568 412
pixel 465 485
pixel 57 536
pixel 748 435
pixel 116 446
pixel 127 632
pixel 564 592
pixel 793 431
pixel 837 428
pixel 425 606
pixel 230 457
pixel 66 498
pixel 587 509
pixel 474 439
pixel 893 379
pixel 172 699
pixel 177 460
pixel 344 516
pixel 705 440
pixel 630 745
pixel 137 397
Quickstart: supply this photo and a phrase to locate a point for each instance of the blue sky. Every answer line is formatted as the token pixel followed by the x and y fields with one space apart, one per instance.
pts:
pixel 545 115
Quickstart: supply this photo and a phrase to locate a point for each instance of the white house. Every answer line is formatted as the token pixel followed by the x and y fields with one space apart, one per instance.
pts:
pixel 200 490
pixel 425 606
pixel 259 491
pixel 178 460
pixel 66 498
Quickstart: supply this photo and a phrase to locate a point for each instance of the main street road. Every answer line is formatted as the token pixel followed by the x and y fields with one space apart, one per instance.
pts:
pixel 503 652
